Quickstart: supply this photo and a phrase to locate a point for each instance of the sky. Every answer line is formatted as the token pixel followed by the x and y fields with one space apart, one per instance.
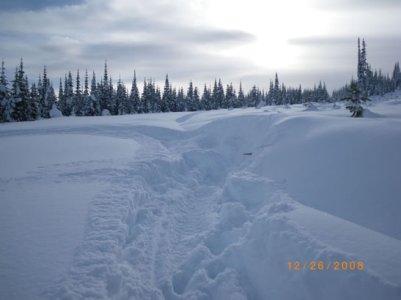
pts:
pixel 304 41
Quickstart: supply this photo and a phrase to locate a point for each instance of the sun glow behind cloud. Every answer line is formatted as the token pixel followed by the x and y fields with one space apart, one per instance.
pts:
pixel 273 23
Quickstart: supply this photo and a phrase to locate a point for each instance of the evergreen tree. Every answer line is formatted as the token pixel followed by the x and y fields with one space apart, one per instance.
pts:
pixel 270 94
pixel 78 97
pixel 105 93
pixel 355 99
pixel 173 101
pixel 121 99
pixel 166 99
pixel 34 112
pixel 61 99
pixel 283 95
pixel 87 106
pixel 145 99
pixel 230 100
pixel 214 101
pixel 220 94
pixel 4 92
pixel 134 97
pixel 253 97
pixel 190 99
pixel 181 100
pixel 363 68
pixel 68 95
pixel 86 84
pixel 241 97
pixel 397 76
pixel 206 99
pixel 196 99
pixel 20 96
pixel 91 106
pixel 276 92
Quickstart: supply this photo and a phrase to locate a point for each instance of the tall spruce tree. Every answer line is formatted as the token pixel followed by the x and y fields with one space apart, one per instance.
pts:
pixel 34 103
pixel 134 97
pixel 20 95
pixel 241 97
pixel 166 99
pixel 4 92
pixel 78 97
pixel 206 99
pixel 396 76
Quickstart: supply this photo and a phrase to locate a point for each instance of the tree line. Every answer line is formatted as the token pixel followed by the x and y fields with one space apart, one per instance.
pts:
pixel 369 82
pixel 20 101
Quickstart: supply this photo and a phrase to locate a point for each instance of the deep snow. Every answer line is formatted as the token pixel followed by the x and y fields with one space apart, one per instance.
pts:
pixel 166 206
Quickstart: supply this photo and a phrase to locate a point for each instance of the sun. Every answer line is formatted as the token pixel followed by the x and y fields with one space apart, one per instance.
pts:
pixel 273 24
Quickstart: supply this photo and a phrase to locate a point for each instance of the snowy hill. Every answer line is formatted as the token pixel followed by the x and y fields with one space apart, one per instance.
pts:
pixel 167 206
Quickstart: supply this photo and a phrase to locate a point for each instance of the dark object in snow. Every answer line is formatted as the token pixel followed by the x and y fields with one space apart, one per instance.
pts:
pixel 247 153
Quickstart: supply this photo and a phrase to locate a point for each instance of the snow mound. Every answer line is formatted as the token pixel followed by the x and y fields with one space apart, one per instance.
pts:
pixel 106 112
pixel 55 112
pixel 310 107
pixel 367 113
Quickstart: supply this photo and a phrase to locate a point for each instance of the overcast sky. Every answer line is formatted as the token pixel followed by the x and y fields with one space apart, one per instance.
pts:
pixel 303 40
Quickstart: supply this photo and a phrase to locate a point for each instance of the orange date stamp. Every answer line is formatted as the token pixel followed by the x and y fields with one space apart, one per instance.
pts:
pixel 354 265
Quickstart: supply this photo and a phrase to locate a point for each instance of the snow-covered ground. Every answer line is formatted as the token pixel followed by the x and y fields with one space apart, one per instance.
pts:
pixel 166 206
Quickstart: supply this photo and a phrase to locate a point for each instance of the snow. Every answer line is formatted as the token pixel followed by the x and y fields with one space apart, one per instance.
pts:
pixel 55 112
pixel 166 206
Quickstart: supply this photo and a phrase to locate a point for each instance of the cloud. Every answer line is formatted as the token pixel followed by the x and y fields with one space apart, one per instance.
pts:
pixel 357 4
pixel 155 37
pixel 19 5
pixel 322 40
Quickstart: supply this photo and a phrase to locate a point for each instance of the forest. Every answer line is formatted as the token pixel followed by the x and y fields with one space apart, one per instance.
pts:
pixel 79 95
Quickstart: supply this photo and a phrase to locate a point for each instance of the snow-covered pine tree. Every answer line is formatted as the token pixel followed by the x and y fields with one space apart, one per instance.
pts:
pixel 78 97
pixel 87 105
pixel 166 99
pixel 206 99
pixel 214 96
pixel 155 97
pixel 4 92
pixel 196 99
pixel 181 100
pixel 189 100
pixel 34 103
pixel 355 99
pixel 43 85
pixel 220 94
pixel 231 96
pixel 283 94
pixel 61 103
pixel 68 95
pixel 20 95
pixel 173 99
pixel 134 97
pixel 145 99
pixel 121 99
pixel 276 91
pixel 363 68
pixel 90 102
pixel 241 102
pixel 105 93
pixel 396 76
pixel 253 97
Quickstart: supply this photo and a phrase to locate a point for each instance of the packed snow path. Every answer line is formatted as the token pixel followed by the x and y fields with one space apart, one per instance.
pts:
pixel 176 211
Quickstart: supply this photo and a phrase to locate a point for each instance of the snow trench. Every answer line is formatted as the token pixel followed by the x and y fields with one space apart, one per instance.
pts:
pixel 187 219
